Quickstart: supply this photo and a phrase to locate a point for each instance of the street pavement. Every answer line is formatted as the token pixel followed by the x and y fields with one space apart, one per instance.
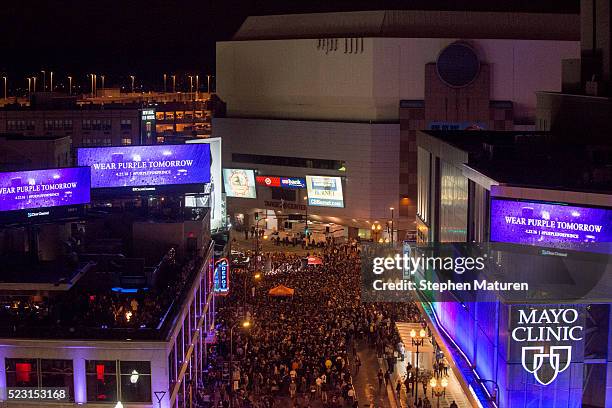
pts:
pixel 366 381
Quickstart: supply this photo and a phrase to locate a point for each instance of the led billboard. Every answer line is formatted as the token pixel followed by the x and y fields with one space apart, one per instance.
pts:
pixel 214 189
pixel 551 224
pixel 35 193
pixel 148 169
pixel 239 183
pixel 284 182
pixel 324 191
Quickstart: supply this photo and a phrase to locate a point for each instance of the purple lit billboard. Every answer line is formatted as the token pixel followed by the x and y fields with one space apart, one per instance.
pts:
pixel 551 224
pixel 22 190
pixel 144 168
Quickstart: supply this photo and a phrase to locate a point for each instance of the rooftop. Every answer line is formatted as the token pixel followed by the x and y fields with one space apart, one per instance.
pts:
pixel 532 159
pixel 413 24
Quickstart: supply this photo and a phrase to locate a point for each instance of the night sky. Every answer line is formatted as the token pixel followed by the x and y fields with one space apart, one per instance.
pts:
pixel 148 38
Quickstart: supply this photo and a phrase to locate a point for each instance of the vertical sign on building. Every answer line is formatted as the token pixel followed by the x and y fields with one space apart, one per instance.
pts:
pixel 221 277
pixel 147 127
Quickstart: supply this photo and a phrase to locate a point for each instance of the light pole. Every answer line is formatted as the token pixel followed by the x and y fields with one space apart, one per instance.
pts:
pixel 93 85
pixel 173 83
pixel 246 324
pixel 417 342
pixel 438 389
pixel 391 208
pixel 29 86
pixel 44 80
pixel 102 77
pixel 208 84
pixel 34 84
pixel 164 83
pixel 69 85
pixel 132 77
pixel 190 83
pixel 197 85
pixel 4 87
pixel 51 82
pixel 306 223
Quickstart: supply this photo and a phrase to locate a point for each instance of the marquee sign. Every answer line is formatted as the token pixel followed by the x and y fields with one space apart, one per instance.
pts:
pixel 284 182
pixel 546 338
pixel 221 277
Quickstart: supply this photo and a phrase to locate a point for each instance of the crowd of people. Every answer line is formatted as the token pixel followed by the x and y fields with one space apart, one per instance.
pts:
pixel 301 350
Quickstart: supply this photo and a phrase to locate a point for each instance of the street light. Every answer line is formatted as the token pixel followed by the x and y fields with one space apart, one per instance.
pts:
pixel 164 83
pixel 44 80
pixel 391 208
pixel 438 389
pixel 306 223
pixel 417 342
pixel 132 77
pixel 51 82
pixel 190 83
pixel 4 87
pixel 197 85
pixel 69 85
pixel 173 83
pixel 208 84
pixel 102 76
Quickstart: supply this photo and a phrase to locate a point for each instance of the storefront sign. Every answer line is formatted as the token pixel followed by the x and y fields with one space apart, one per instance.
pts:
pixel 283 205
pixel 284 182
pixel 221 277
pixel 546 338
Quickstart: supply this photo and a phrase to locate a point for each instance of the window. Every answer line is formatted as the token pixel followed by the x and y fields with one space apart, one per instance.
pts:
pixel 86 125
pixel 110 381
pixel 126 141
pixel 57 373
pixel 106 124
pixel 101 379
pixel 159 115
pixel 135 381
pixel 289 161
pixel 21 372
pixel 126 124
pixel 67 124
pixel 29 372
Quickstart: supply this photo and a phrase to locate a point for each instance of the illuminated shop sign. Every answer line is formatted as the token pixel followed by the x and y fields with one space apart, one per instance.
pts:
pixel 551 224
pixel 284 182
pixel 546 338
pixel 221 277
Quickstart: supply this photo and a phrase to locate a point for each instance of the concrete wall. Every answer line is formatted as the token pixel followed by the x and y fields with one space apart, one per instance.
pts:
pixel 299 79
pixel 371 153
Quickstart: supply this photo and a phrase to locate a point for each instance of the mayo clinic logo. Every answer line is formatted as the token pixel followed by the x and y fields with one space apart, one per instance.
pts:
pixel 546 337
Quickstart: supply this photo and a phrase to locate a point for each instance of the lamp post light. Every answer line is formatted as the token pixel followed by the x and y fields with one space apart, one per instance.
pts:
pixel 102 77
pixel 246 324
pixel 44 80
pixel 392 209
pixel 306 223
pixel 190 83
pixel 29 86
pixel 417 342
pixel 208 84
pixel 34 84
pixel 132 77
pixel 4 77
pixel 438 389
pixel 51 82
pixel 173 83
pixel 69 85
pixel 165 83
pixel 197 77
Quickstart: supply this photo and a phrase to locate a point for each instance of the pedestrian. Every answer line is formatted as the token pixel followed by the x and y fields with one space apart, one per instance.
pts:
pixel 398 387
pixel 357 364
pixel 387 377
pixel 381 377
pixel 453 405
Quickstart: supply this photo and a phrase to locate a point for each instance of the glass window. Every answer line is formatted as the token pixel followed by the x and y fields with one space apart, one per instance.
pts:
pixel 126 141
pixel 21 372
pixel 289 161
pixel 57 373
pixel 101 380
pixel 159 115
pixel 135 381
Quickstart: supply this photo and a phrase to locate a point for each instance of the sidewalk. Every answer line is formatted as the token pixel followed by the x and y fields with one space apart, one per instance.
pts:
pixel 366 381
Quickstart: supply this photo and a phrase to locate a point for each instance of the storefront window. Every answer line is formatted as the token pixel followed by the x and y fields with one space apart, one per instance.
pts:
pixel 135 381
pixel 101 380
pixel 57 373
pixel 21 372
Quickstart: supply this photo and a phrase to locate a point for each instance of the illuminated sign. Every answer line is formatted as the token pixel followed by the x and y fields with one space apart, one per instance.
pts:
pixel 550 224
pixel 325 191
pixel 239 183
pixel 284 182
pixel 147 168
pixel 22 190
pixel 546 337
pixel 293 182
pixel 221 277
pixel 268 181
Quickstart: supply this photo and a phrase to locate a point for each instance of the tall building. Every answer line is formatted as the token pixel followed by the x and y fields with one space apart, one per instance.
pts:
pixel 343 95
